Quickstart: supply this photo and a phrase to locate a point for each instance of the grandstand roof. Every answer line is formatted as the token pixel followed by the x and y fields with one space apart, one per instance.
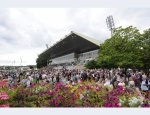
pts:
pixel 96 42
pixel 74 42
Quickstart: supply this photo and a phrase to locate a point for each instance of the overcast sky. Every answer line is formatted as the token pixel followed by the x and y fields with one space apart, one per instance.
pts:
pixel 24 32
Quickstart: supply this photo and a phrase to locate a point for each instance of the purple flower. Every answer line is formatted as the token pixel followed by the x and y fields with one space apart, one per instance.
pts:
pixel 81 87
pixel 56 90
pixel 145 105
pixel 107 105
pixel 112 93
pixel 51 102
pixel 116 105
pixel 32 85
pixel 41 94
pixel 50 93
pixel 88 87
pixel 119 90
pixel 114 99
pixel 57 104
pixel 60 96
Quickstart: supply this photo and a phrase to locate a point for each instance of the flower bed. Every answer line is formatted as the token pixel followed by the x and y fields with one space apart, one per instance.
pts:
pixel 86 94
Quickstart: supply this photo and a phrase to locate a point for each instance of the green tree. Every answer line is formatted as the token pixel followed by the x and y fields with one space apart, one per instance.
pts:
pixel 91 64
pixel 31 67
pixel 122 49
pixel 146 48
pixel 41 61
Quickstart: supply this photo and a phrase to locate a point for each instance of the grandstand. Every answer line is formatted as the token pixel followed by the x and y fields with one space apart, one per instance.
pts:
pixel 75 48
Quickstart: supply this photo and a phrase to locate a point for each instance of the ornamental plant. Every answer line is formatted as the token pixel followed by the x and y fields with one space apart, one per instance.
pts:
pixel 84 94
pixel 3 99
pixel 61 96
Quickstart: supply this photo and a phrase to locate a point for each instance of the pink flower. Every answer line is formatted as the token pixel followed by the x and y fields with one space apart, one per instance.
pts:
pixel 4 105
pixel 3 96
pixel 3 83
pixel 97 88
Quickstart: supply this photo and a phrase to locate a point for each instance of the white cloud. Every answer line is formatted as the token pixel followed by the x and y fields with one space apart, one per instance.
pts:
pixel 24 32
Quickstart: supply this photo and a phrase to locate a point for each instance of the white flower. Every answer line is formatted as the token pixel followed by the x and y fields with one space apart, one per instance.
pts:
pixel 81 96
pixel 120 104
pixel 135 101
pixel 141 99
pixel 121 84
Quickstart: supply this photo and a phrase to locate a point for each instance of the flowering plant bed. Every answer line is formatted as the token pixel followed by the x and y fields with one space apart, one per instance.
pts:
pixel 85 94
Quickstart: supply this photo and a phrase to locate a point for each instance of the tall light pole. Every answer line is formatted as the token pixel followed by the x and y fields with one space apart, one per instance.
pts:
pixel 110 23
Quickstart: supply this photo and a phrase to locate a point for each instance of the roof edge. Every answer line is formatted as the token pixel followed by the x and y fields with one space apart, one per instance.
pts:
pixel 96 42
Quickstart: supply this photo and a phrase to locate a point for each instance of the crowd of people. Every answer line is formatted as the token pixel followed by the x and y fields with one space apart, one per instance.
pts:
pixel 103 77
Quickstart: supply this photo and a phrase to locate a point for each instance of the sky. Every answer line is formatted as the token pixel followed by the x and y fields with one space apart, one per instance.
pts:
pixel 24 32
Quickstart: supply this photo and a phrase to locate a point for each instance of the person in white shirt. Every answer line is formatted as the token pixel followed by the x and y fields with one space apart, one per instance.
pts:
pixel 54 79
pixel 64 80
pixel 30 78
pixel 144 85
pixel 107 82
pixel 118 77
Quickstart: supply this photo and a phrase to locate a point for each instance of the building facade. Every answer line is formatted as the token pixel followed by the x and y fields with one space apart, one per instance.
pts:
pixel 75 48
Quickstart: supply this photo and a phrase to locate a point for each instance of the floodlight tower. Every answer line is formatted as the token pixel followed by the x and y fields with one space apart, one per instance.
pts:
pixel 110 23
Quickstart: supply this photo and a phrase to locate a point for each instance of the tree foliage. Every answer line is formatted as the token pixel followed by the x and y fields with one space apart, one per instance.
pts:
pixel 123 49
pixel 91 64
pixel 42 60
pixel 146 48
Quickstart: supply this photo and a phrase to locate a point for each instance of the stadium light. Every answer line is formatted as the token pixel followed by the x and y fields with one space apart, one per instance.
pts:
pixel 110 23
